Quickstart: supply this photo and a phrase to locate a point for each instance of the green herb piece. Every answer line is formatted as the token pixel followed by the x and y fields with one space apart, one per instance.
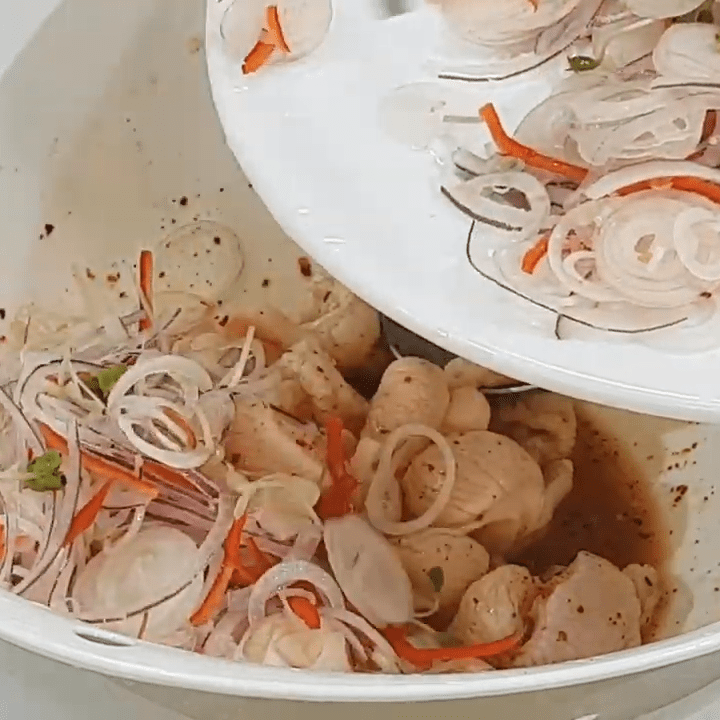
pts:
pixel 582 63
pixel 108 378
pixel 437 578
pixel 46 472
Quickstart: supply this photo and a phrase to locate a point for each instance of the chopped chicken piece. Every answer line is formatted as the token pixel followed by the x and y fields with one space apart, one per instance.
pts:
pixel 543 423
pixel 325 389
pixel 278 640
pixel 461 373
pixel 497 485
pixel 468 410
pixel 496 606
pixel 589 609
pixel 347 328
pixel 411 391
pixel 648 589
pixel 262 440
pixel 441 565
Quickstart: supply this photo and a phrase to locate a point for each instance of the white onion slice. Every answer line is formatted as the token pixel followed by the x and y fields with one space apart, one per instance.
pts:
pixel 22 424
pixel 369 571
pixel 379 486
pixel 173 365
pixel 688 51
pixel 690 240
pixel 57 531
pixel 662 9
pixel 635 253
pixel 304 25
pixel 135 573
pixel 360 624
pixel 286 574
pixel 130 412
pixel 655 169
pixel 515 202
pixel 672 130
pixel 614 102
pixel 192 567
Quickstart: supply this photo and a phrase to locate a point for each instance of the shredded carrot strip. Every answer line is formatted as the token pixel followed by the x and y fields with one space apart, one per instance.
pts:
pixel 262 562
pixel 531 259
pixel 710 125
pixel 214 599
pixel 705 188
pixel 179 420
pixel 87 515
pixel 305 610
pixel 257 57
pixel 708 129
pixel 424 657
pixel 272 38
pixel 249 575
pixel 336 501
pixel 275 32
pixel 242 577
pixel 146 265
pixel 231 561
pixel 161 473
pixel 533 158
pixel 96 465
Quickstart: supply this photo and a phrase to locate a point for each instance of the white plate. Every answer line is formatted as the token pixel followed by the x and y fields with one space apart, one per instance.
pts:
pixel 369 209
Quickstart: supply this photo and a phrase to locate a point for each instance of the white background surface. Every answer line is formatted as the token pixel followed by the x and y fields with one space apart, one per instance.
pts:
pixel 31 687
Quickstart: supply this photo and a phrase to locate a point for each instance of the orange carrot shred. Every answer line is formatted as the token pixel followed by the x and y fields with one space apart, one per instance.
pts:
pixel 305 610
pixel 231 561
pixel 96 465
pixel 232 542
pixel 257 57
pixel 531 259
pixel 213 600
pixel 533 158
pixel 710 125
pixel 87 515
pixel 262 563
pixel 146 269
pixel 179 420
pixel 161 473
pixel 336 501
pixel 686 183
pixel 423 658
pixel 245 575
pixel 275 32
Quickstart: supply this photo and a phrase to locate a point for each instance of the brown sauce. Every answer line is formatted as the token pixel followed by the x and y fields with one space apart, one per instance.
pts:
pixel 611 511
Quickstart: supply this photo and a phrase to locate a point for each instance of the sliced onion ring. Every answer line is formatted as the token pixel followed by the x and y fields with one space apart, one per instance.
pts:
pixel 375 499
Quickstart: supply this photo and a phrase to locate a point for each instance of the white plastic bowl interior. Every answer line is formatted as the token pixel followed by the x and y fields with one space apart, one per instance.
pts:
pixel 105 124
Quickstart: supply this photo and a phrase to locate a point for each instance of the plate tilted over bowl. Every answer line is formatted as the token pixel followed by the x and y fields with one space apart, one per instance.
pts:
pixel 325 158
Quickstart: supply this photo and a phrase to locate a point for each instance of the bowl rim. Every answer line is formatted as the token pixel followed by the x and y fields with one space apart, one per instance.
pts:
pixel 38 629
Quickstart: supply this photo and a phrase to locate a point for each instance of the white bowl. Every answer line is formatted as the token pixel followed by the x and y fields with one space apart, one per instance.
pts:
pixel 105 124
